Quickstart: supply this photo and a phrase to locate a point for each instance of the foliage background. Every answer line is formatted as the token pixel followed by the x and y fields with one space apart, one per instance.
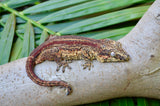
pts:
pixel 25 24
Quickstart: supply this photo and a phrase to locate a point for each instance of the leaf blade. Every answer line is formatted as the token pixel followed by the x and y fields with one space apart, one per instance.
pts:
pixel 28 41
pixel 112 33
pixel 105 20
pixel 16 50
pixel 44 35
pixel 7 39
pixel 50 5
pixel 19 3
pixel 142 102
pixel 87 8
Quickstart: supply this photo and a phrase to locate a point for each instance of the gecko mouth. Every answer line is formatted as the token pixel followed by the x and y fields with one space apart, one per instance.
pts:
pixel 123 58
pixel 127 57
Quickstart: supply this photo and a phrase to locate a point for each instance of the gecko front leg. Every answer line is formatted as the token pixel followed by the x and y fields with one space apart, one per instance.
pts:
pixel 88 64
pixel 88 56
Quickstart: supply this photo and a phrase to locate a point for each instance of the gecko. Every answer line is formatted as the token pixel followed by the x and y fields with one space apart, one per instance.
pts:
pixel 63 49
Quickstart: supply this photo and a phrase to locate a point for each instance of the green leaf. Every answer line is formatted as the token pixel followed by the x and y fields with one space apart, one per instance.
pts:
pixel 117 37
pixel 126 102
pixel 0 35
pixel 112 33
pixel 87 8
pixel 50 5
pixel 142 102
pixel 26 18
pixel 34 17
pixel 16 50
pixel 55 27
pixel 19 3
pixel 106 20
pixel 44 36
pixel 7 39
pixel 28 41
pixel 105 103
pixel 122 102
pixel 153 102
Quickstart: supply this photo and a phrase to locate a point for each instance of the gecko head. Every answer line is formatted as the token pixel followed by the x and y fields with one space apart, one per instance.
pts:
pixel 112 51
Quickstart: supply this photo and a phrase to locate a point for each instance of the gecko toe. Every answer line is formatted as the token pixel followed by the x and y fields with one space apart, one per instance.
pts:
pixel 88 65
pixel 58 68
pixel 63 64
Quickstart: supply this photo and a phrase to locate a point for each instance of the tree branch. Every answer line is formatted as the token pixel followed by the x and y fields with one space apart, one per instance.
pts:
pixel 139 77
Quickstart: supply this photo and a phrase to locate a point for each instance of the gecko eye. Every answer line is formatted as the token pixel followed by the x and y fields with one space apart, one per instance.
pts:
pixel 113 54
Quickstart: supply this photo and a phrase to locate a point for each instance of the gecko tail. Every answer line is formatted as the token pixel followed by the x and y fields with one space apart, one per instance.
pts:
pixel 61 84
pixel 30 72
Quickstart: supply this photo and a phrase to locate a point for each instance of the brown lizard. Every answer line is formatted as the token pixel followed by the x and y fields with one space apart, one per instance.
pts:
pixel 61 49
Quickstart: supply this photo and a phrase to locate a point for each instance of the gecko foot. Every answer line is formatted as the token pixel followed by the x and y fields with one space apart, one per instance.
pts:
pixel 87 64
pixel 63 64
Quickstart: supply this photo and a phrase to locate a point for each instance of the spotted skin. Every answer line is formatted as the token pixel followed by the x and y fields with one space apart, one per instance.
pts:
pixel 63 49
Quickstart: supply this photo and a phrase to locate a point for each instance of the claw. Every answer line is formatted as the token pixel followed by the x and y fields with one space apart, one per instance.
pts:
pixel 68 90
pixel 58 67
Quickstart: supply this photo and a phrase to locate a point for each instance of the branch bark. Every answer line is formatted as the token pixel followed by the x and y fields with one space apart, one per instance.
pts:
pixel 139 77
